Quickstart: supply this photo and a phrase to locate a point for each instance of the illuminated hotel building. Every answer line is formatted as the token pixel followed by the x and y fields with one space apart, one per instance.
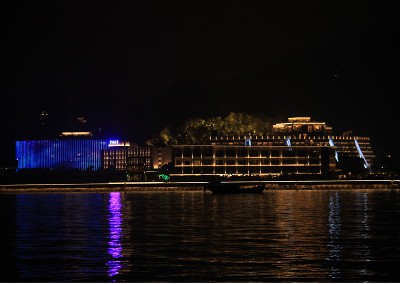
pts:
pixel 299 146
pixel 301 131
pixel 262 160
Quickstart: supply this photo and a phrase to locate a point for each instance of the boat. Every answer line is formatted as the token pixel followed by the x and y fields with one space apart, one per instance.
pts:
pixel 233 188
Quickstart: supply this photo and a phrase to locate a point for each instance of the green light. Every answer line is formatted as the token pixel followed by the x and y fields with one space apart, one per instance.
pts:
pixel 163 176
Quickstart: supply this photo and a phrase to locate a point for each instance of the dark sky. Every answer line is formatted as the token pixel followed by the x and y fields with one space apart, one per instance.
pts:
pixel 130 68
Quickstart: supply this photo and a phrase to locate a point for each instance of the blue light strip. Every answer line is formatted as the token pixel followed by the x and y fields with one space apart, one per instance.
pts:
pixel 366 165
pixel 333 145
pixel 288 143
pixel 287 139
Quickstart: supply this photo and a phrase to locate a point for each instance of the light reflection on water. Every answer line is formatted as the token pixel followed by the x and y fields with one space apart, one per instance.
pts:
pixel 289 236
pixel 335 226
pixel 115 222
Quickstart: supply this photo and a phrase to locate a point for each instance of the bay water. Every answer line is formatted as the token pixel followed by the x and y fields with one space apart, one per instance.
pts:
pixel 329 235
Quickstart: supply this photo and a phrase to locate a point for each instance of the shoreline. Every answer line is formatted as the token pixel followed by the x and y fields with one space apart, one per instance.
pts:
pixel 194 186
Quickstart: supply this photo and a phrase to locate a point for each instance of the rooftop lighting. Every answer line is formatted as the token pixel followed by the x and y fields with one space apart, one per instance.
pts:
pixel 77 133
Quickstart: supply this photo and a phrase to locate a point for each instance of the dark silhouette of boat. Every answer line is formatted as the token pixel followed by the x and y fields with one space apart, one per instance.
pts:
pixel 234 188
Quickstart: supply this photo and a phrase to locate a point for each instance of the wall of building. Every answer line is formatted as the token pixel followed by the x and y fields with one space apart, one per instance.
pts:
pixel 160 156
pixel 123 158
pixel 237 160
pixel 82 154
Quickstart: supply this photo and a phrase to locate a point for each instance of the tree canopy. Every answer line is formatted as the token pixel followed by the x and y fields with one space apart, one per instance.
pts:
pixel 198 130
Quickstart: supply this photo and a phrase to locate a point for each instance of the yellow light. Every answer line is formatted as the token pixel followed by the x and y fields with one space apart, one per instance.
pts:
pixel 78 133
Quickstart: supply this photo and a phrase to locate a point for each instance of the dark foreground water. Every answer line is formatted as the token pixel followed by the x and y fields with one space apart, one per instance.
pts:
pixel 279 236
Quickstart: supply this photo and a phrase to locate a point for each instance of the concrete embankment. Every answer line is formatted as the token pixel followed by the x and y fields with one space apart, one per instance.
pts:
pixel 195 186
pixel 334 184
pixel 100 187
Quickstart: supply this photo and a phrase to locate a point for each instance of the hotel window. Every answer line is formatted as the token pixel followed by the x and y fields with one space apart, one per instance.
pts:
pixel 275 153
pixel 275 161
pixel 254 153
pixel 254 170
pixel 275 170
pixel 302 153
pixel 178 152
pixel 265 169
pixel 303 161
pixel 254 161
pixel 197 170
pixel 219 153
pixel 265 161
pixel 242 153
pixel 230 153
pixel 288 152
pixel 207 170
pixel 196 152
pixel 208 152
pixel 289 161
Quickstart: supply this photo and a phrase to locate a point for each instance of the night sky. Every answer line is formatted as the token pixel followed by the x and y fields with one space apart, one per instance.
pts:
pixel 127 69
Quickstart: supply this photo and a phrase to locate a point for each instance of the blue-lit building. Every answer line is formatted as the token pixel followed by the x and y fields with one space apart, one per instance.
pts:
pixel 68 152
pixel 77 150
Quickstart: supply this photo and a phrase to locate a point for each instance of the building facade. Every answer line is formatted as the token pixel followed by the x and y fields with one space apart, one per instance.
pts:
pixel 134 158
pixel 62 154
pixel 301 131
pixel 251 160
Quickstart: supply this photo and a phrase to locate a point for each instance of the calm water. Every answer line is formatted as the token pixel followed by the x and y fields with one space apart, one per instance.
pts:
pixel 279 236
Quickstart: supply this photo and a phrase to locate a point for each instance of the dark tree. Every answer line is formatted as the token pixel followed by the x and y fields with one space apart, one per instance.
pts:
pixel 198 130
